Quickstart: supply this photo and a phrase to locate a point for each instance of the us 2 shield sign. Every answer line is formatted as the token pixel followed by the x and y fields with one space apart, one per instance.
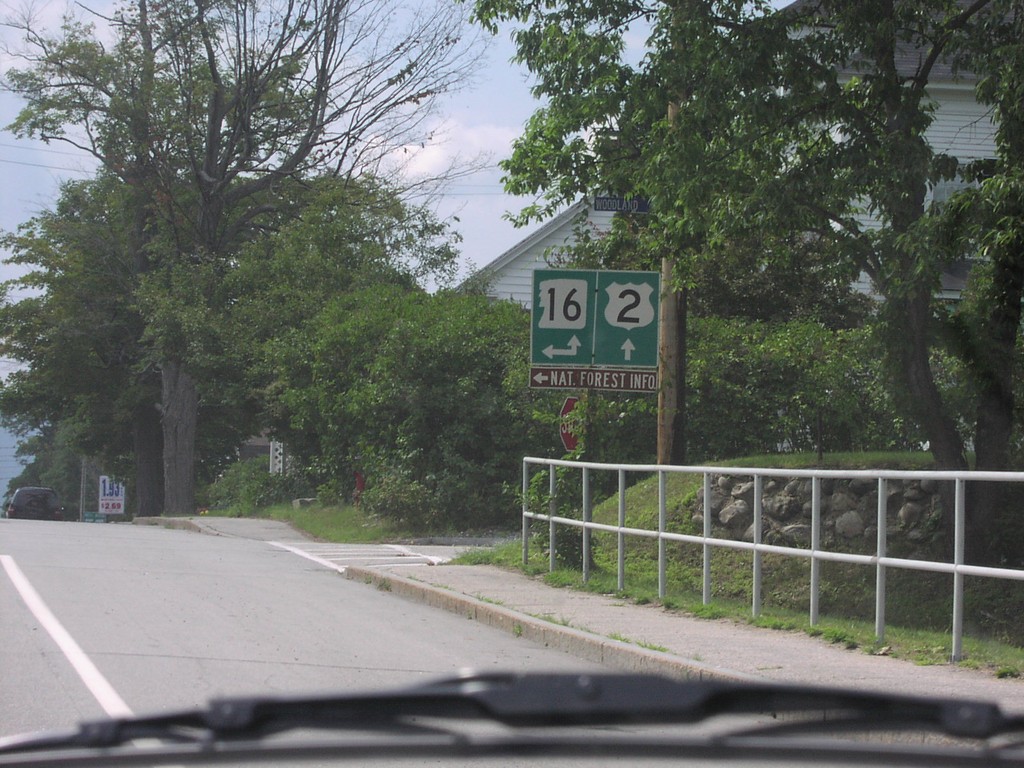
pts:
pixel 628 307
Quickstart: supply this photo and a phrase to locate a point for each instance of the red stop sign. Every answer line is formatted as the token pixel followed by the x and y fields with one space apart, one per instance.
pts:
pixel 569 440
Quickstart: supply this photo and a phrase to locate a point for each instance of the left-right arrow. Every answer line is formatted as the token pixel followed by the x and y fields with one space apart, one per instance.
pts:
pixel 570 351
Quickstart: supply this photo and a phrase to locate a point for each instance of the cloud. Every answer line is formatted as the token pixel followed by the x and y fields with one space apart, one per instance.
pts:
pixel 454 141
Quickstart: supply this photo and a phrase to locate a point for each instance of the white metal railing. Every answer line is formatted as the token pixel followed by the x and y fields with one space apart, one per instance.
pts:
pixel 880 559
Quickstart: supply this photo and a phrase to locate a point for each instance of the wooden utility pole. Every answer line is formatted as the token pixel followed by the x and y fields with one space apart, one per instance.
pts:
pixel 671 371
pixel 672 360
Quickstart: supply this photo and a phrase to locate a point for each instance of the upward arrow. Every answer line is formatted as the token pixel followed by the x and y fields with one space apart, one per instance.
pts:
pixel 628 348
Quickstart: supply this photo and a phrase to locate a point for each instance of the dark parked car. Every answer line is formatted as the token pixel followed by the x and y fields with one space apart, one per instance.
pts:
pixel 35 504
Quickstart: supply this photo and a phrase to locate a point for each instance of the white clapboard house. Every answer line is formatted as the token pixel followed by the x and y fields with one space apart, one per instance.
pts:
pixel 510 276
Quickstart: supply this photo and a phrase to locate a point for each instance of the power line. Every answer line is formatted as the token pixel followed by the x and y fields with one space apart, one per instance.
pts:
pixel 462 190
pixel 46 167
pixel 45 148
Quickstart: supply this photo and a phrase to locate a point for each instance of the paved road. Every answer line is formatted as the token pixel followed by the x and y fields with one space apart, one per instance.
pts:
pixel 609 630
pixel 171 617
pixel 114 618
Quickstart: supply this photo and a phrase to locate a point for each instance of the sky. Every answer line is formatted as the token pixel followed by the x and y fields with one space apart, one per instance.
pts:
pixel 484 120
pixel 481 120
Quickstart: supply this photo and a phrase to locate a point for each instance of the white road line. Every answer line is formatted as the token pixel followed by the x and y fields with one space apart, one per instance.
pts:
pixel 308 556
pixel 349 553
pixel 385 554
pixel 419 564
pixel 377 556
pixel 410 553
pixel 94 680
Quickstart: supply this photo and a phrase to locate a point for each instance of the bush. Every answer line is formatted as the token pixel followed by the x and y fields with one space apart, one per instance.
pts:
pixel 247 486
pixel 756 388
pixel 430 413
pixel 399 499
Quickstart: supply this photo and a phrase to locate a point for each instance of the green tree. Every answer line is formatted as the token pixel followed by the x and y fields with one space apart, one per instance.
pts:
pixel 80 333
pixel 741 122
pixel 986 222
pixel 763 387
pixel 436 403
pixel 210 113
pixel 413 390
pixel 323 268
pixel 91 369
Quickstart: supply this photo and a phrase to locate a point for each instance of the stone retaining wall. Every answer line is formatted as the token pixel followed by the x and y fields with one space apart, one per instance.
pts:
pixel 849 509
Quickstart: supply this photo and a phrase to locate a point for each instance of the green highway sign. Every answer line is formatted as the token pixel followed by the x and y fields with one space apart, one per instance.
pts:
pixel 563 317
pixel 587 318
pixel 626 326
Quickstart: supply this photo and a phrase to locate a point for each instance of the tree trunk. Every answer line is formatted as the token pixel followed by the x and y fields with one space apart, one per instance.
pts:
pixel 925 399
pixel 179 418
pixel 995 363
pixel 913 317
pixel 679 422
pixel 148 445
pixel 671 447
pixel 994 369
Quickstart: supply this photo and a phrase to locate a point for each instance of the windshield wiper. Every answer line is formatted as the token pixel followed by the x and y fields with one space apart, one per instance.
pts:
pixel 537 701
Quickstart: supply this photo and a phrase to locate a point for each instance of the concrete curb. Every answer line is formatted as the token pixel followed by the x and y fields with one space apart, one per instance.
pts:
pixel 585 645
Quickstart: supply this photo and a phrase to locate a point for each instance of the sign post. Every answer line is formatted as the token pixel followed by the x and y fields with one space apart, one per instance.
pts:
pixel 595 330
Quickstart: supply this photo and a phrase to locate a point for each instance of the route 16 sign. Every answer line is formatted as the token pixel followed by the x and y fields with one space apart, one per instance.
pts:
pixel 589 318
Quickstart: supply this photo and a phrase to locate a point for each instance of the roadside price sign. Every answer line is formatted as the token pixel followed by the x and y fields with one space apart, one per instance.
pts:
pixel 112 497
pixel 587 318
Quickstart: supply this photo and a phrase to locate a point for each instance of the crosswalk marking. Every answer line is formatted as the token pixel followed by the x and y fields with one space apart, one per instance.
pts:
pixel 339 556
